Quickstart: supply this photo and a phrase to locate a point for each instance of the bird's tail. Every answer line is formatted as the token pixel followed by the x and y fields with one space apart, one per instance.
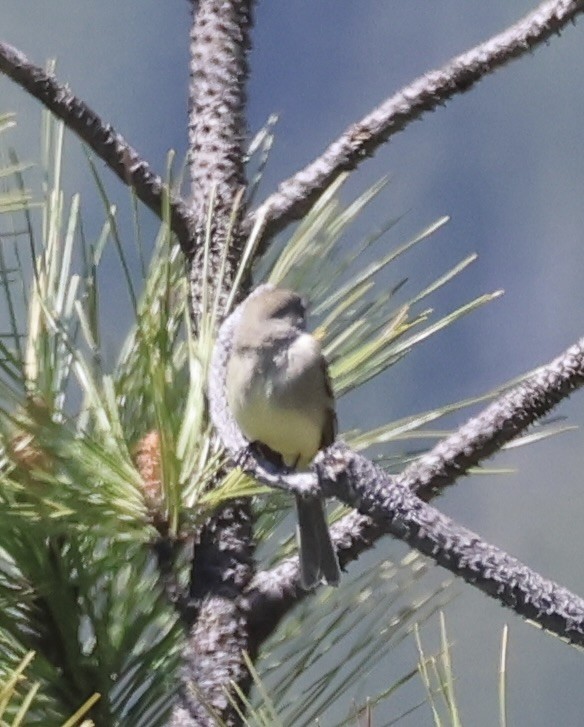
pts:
pixel 318 559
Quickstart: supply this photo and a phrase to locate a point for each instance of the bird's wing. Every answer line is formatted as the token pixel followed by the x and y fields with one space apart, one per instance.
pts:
pixel 329 430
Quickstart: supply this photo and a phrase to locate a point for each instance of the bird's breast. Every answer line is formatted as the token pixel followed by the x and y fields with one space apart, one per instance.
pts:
pixel 275 401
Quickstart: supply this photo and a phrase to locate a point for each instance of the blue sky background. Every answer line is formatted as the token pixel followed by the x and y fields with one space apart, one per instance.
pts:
pixel 505 161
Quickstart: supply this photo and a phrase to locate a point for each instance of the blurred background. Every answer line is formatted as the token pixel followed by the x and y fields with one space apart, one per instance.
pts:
pixel 505 161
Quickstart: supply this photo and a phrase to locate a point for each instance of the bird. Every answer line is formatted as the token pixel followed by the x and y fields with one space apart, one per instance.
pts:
pixel 279 392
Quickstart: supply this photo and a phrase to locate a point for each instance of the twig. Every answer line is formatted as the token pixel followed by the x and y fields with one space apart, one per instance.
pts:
pixel 393 509
pixel 109 146
pixel 503 420
pixel 296 195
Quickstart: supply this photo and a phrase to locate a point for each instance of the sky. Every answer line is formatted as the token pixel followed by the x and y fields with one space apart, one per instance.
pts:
pixel 504 161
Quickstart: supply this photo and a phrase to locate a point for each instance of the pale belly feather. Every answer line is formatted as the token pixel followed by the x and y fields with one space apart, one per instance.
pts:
pixel 284 412
pixel 294 433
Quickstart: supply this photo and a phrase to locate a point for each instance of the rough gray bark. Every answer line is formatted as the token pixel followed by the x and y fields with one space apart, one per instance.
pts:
pixel 217 140
pixel 223 558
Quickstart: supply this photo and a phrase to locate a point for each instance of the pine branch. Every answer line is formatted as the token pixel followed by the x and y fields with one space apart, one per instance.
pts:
pixel 396 510
pixel 220 42
pixel 223 562
pixel 109 146
pixel 212 659
pixel 296 195
pixel 503 420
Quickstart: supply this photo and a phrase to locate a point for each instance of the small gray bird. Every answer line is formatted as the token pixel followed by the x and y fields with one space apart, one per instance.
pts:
pixel 279 392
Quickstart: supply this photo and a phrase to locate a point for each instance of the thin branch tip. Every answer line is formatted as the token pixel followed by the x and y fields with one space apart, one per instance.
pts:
pixel 296 195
